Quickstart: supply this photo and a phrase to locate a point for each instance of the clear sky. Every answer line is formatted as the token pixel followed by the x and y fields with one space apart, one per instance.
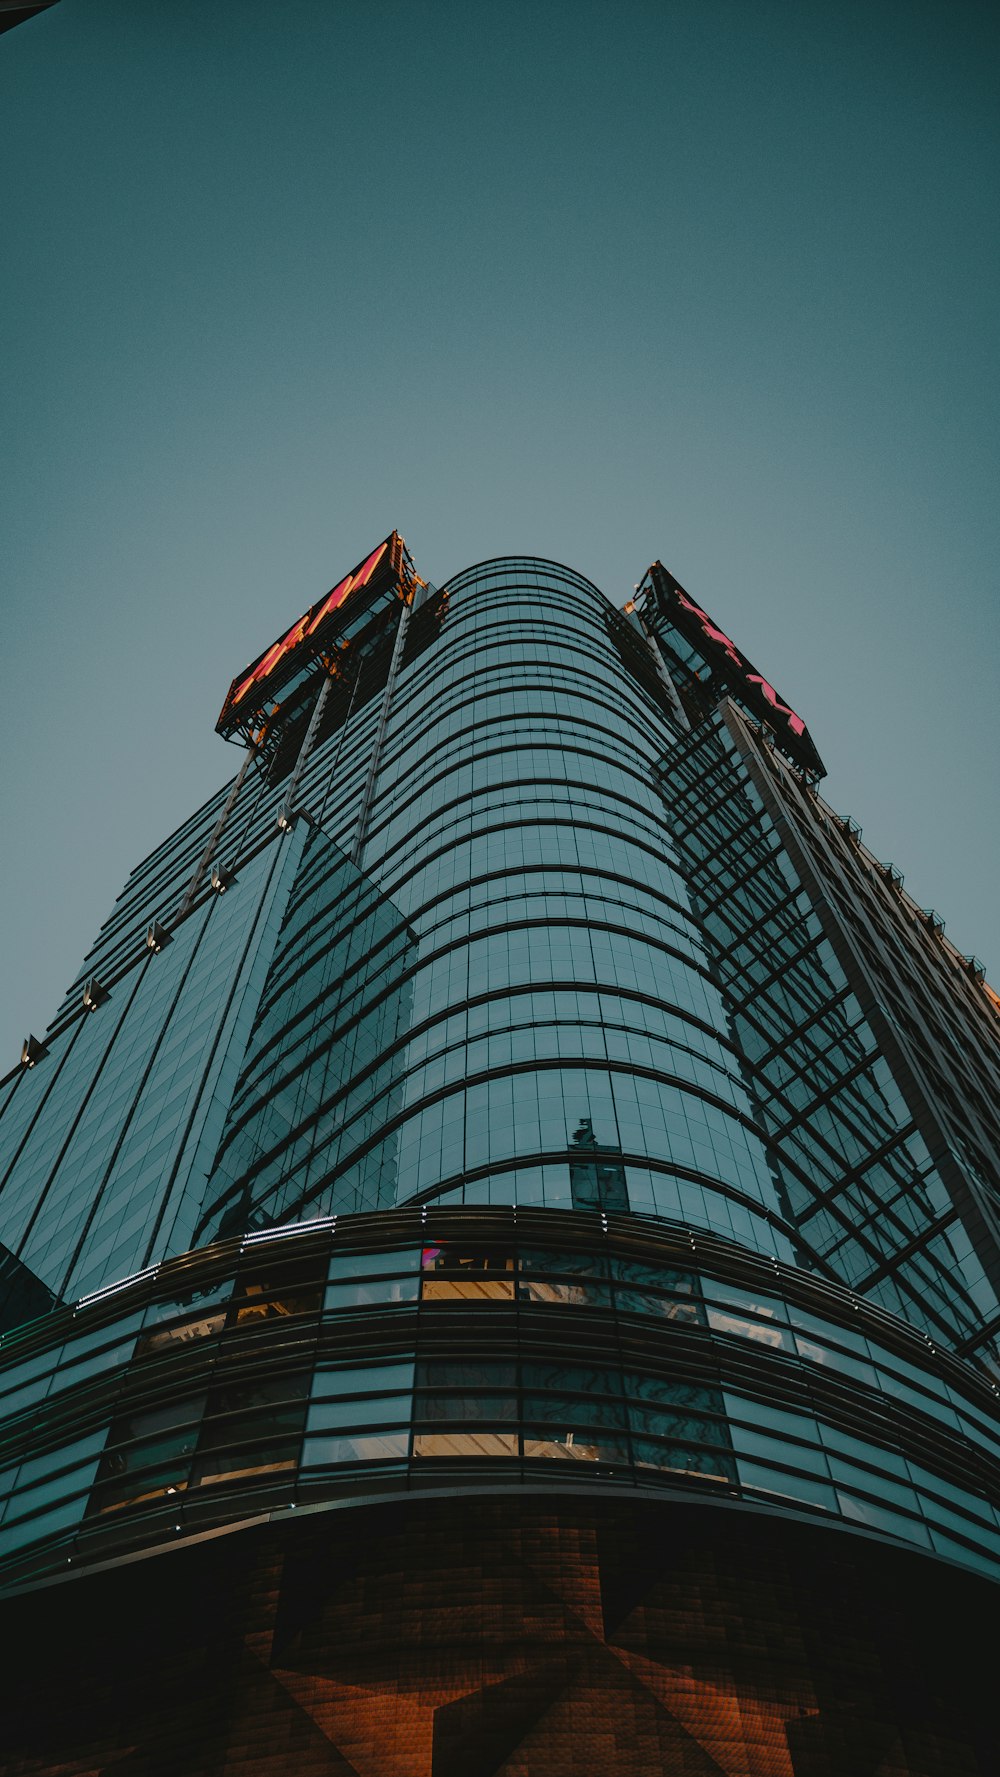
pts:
pixel 709 280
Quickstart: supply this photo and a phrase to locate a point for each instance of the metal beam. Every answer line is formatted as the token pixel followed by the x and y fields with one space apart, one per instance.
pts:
pixel 367 793
pixel 287 810
pixel 215 835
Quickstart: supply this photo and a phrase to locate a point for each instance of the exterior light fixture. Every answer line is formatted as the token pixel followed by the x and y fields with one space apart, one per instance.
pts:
pixel 31 1051
pixel 156 937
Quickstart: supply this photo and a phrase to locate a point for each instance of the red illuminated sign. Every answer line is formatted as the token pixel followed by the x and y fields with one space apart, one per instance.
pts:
pixel 732 665
pixel 253 692
pixel 309 624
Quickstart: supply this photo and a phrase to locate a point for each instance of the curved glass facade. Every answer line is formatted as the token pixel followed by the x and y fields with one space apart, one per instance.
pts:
pixel 503 997
pixel 478 1098
pixel 567 1044
pixel 479 1349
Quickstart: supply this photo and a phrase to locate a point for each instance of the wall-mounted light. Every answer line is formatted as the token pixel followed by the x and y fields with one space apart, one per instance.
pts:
pixel 31 1051
pixel 156 937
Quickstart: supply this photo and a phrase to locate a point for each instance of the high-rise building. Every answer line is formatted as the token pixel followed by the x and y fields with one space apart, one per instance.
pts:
pixel 500 1241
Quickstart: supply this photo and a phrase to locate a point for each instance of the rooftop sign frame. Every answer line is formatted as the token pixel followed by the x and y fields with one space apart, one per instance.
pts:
pixel 253 698
pixel 731 666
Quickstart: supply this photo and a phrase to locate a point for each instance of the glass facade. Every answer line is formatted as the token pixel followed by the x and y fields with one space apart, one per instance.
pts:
pixel 870 1045
pixel 858 1177
pixel 510 973
pixel 517 1079
pixel 476 1349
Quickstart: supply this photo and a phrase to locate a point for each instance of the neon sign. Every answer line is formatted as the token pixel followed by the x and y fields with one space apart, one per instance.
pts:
pixel 251 696
pixel 308 625
pixel 770 695
pixel 732 666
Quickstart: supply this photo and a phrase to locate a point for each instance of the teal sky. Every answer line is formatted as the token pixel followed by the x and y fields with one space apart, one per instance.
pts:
pixel 709 281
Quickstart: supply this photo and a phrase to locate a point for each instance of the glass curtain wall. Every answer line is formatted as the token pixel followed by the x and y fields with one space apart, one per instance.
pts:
pixel 504 997
pixel 561 998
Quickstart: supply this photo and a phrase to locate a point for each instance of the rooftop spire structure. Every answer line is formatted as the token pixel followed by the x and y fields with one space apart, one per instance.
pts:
pixel 500 1254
